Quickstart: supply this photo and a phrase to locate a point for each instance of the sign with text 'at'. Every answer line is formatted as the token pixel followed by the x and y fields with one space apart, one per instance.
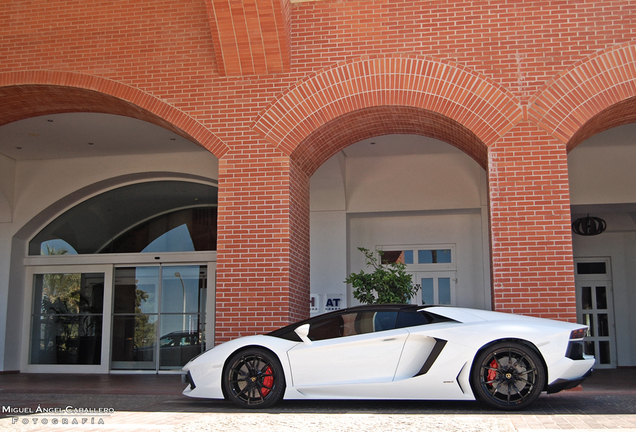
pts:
pixel 321 303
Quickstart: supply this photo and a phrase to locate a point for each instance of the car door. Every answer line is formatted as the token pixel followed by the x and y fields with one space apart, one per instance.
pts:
pixel 359 347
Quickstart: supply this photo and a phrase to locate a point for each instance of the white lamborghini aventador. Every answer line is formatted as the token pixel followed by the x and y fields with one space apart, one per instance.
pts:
pixel 397 352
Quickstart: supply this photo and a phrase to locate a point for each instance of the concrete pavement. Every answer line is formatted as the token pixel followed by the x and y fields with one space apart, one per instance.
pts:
pixel 38 402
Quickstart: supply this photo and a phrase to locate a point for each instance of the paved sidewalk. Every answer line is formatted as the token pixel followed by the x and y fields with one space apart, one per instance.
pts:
pixel 606 401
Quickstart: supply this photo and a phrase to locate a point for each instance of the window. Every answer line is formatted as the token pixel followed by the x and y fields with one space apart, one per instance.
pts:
pixel 591 268
pixel 411 319
pixel 420 256
pixel 161 216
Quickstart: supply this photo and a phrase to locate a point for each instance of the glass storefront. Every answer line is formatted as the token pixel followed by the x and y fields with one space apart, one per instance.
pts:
pixel 121 281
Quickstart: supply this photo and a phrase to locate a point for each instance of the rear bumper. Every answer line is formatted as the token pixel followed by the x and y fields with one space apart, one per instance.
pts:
pixel 570 372
pixel 566 384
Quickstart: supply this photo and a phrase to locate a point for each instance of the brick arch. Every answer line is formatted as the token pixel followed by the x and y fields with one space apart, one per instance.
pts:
pixel 383 120
pixel 30 94
pixel 621 113
pixel 591 96
pixel 435 86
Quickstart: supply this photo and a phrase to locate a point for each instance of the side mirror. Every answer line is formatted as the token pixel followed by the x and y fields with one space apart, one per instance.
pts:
pixel 303 332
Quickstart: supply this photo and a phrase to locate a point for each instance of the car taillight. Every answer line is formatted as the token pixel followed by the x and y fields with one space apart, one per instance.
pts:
pixel 579 333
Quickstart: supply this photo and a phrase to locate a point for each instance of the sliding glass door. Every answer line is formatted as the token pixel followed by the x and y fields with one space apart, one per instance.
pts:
pixel 99 318
pixel 158 316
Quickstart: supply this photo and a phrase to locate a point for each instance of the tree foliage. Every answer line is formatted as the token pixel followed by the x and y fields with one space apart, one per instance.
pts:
pixel 388 283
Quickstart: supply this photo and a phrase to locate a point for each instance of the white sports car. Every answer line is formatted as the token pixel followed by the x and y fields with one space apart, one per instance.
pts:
pixel 397 352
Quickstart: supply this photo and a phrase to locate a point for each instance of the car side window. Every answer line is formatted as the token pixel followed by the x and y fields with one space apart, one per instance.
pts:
pixel 385 320
pixel 328 328
pixel 351 324
pixel 411 319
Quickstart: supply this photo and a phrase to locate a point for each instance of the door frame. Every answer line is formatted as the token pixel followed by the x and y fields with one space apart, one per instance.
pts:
pixel 25 365
pixel 607 280
pixel 435 275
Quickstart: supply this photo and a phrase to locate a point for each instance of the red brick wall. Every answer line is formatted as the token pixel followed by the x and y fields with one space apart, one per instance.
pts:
pixel 536 73
pixel 533 270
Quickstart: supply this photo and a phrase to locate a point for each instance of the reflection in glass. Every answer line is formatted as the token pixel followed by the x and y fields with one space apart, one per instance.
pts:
pixel 428 294
pixel 180 290
pixel 156 319
pixel 601 297
pixel 603 325
pixel 67 318
pixel 177 347
pixel 586 298
pixel 408 257
pixel 444 291
pixel 135 307
pixel 134 340
pixel 589 348
pixel 136 290
pixel 588 320
pixel 434 256
pixel 604 352
pixel 166 216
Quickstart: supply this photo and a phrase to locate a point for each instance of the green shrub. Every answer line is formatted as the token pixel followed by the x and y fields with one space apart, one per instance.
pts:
pixel 388 283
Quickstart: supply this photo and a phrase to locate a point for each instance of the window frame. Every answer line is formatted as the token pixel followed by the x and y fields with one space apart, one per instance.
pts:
pixel 415 266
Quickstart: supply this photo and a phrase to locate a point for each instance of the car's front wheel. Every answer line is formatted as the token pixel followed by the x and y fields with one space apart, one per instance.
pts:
pixel 254 378
pixel 508 376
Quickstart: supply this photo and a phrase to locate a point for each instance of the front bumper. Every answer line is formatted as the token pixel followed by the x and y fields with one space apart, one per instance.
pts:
pixel 187 379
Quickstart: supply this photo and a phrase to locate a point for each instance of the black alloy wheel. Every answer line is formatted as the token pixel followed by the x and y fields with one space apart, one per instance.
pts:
pixel 508 376
pixel 254 378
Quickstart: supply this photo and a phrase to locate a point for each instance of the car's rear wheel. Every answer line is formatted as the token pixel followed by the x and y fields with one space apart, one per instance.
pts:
pixel 254 378
pixel 508 376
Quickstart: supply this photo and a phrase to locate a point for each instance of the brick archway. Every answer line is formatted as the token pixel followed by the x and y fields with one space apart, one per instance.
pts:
pixel 366 123
pixel 445 91
pixel 29 94
pixel 593 95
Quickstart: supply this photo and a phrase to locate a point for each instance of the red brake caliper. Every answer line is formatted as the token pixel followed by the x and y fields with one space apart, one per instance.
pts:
pixel 268 382
pixel 492 374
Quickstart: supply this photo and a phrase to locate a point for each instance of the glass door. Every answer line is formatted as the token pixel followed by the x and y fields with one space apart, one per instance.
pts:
pixel 67 329
pixel 435 288
pixel 595 308
pixel 158 316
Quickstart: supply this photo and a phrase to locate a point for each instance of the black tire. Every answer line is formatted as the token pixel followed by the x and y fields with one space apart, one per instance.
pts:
pixel 254 378
pixel 508 376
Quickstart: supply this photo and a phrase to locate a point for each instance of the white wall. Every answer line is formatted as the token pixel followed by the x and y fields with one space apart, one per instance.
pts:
pixel 601 170
pixel 7 188
pixel 39 184
pixel 402 190
pixel 7 191
pixel 413 182
pixel 459 228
